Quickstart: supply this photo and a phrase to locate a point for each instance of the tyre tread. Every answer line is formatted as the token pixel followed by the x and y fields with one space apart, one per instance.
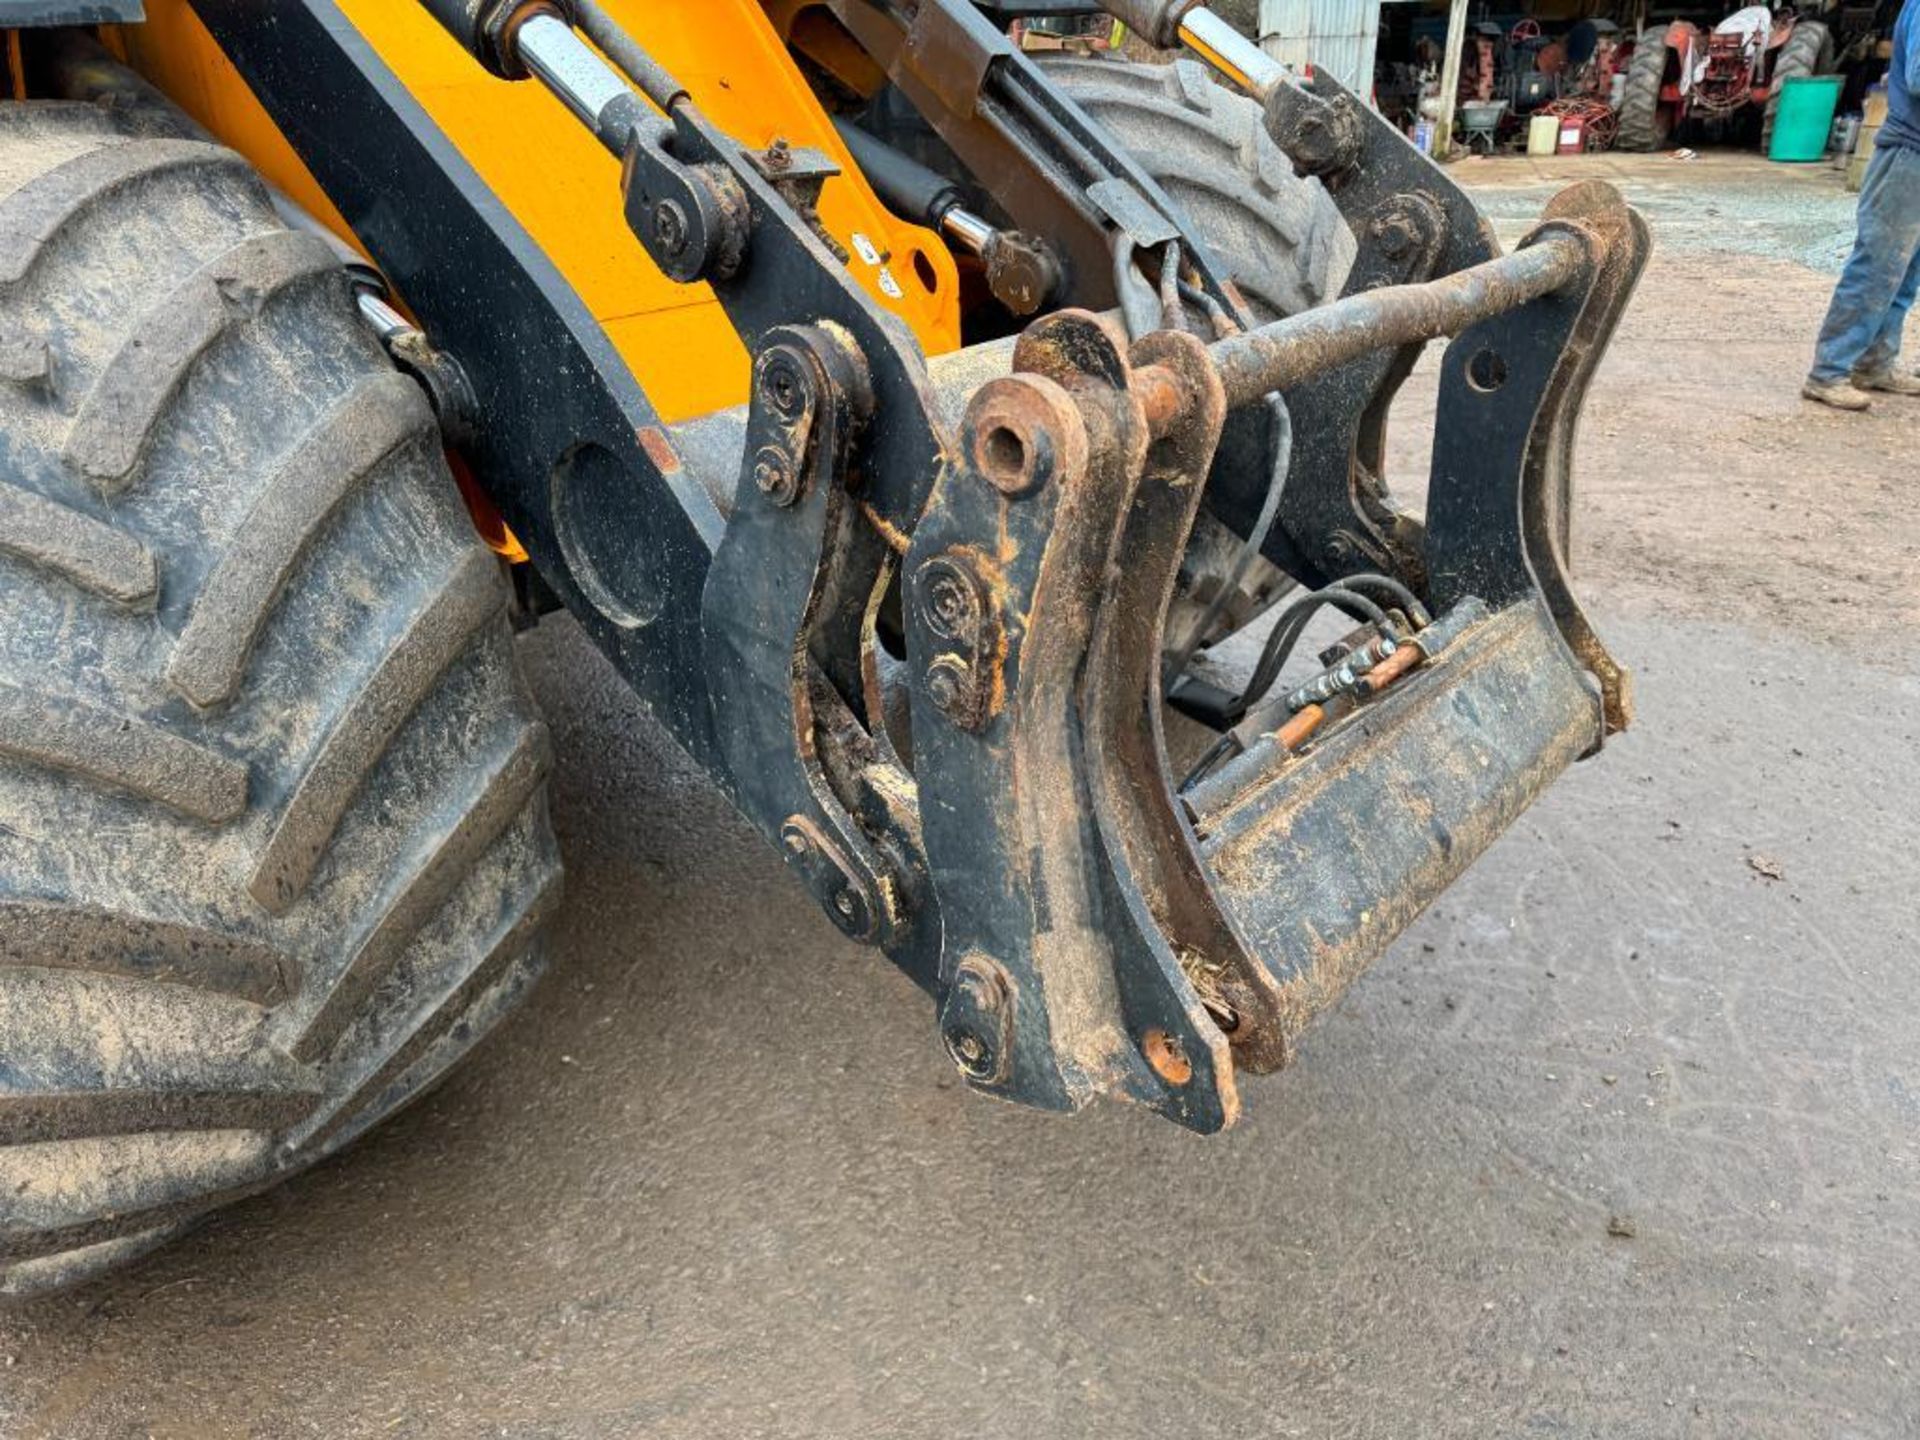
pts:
pixel 1639 129
pixel 89 553
pixel 248 640
pixel 117 419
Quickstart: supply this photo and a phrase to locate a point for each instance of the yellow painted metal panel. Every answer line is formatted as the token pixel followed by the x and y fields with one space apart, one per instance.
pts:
pixel 563 187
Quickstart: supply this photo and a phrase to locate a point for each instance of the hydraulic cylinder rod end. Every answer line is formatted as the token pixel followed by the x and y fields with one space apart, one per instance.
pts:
pixel 487 29
pixel 1232 54
pixel 588 86
pixel 966 229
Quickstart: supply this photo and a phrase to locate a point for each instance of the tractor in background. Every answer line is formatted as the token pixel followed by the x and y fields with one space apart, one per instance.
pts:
pixel 1680 73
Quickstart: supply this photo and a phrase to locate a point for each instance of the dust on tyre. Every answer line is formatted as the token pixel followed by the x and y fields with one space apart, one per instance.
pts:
pixel 274 848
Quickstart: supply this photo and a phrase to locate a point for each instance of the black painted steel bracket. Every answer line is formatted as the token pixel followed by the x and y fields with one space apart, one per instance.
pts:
pixel 924 657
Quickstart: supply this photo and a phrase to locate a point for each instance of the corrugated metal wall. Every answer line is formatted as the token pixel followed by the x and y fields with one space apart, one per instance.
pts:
pixel 1338 36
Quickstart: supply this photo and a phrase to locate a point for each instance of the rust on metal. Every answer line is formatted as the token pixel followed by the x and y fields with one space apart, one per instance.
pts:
pixel 1167 1056
pixel 897 540
pixel 1164 396
pixel 1283 852
pixel 659 449
pixel 1390 669
pixel 1022 432
pixel 1301 724
pixel 1280 355
pixel 1595 207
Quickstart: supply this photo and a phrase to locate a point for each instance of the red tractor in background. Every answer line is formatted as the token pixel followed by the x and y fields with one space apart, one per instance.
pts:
pixel 1680 72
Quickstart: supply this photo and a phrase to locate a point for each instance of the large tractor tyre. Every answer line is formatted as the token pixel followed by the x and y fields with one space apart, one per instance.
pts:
pixel 1276 234
pixel 1807 51
pixel 274 848
pixel 1643 125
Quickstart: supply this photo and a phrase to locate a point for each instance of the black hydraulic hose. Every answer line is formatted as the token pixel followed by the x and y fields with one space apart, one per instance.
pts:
pixel 1284 637
pixel 1273 659
pixel 1398 590
pixel 1254 544
pixel 1287 631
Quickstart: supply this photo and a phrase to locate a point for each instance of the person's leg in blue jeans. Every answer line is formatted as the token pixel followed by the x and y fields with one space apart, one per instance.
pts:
pixel 1878 362
pixel 1877 287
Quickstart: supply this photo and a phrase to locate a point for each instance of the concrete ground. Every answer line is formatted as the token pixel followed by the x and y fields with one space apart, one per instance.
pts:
pixel 1622 1139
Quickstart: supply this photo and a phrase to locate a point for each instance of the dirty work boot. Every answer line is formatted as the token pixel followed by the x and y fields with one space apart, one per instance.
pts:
pixel 1888 382
pixel 1840 394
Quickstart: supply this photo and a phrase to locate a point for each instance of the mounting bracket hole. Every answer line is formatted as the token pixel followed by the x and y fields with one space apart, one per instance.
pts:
pixel 924 272
pixel 599 515
pixel 1486 371
pixel 1167 1056
pixel 1005 457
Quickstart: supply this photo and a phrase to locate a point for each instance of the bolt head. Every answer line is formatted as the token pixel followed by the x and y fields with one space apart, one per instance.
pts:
pixel 971 1053
pixel 844 904
pixel 670 228
pixel 781 386
pixel 950 605
pixel 1395 237
pixel 947 682
pixel 773 476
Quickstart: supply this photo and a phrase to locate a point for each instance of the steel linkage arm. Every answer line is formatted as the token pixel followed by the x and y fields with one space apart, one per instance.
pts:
pixel 1017 844
pixel 841 448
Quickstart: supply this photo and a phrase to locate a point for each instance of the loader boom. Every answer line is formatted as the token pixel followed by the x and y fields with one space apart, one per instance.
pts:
pixel 909 607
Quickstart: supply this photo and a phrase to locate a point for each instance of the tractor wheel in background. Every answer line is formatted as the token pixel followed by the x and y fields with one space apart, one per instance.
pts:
pixel 274 848
pixel 1278 235
pixel 1807 51
pixel 1644 126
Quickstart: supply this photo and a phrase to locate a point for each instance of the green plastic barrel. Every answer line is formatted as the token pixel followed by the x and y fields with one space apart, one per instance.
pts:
pixel 1805 118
